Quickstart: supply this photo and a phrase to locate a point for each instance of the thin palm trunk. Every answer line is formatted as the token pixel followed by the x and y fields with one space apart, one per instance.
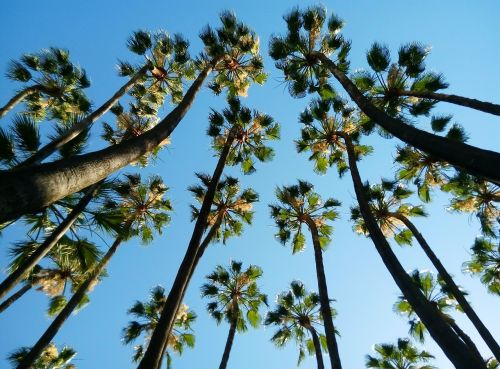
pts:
pixel 462 301
pixel 453 347
pixel 58 322
pixel 326 312
pixel 78 128
pixel 163 329
pixel 230 339
pixel 28 189
pixel 484 106
pixel 9 301
pixel 17 275
pixel 20 96
pixel 472 346
pixel 483 163
pixel 317 348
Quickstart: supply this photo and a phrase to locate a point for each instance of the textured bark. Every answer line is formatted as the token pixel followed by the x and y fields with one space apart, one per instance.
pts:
pixel 30 188
pixel 17 275
pixel 462 301
pixel 483 163
pixel 229 343
pixel 331 340
pixel 20 96
pixel 484 106
pixel 317 348
pixel 16 296
pixel 453 347
pixel 163 329
pixel 57 323
pixel 74 131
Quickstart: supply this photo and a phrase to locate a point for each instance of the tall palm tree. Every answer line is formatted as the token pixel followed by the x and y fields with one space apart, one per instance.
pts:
pixel 299 205
pixel 307 57
pixel 231 51
pixel 234 295
pixel 402 355
pixel 142 209
pixel 148 314
pixel 50 358
pixel 298 316
pixel 314 133
pixel 485 261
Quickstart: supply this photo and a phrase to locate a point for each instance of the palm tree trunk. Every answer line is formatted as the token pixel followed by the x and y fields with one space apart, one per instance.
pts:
pixel 453 347
pixel 485 106
pixel 326 312
pixel 483 163
pixel 462 301
pixel 317 348
pixel 229 344
pixel 465 338
pixel 20 96
pixel 57 323
pixel 163 329
pixel 28 189
pixel 9 301
pixel 17 275
pixel 74 131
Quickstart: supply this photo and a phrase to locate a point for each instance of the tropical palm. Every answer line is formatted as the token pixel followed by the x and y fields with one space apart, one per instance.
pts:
pixel 234 295
pixel 485 262
pixel 50 358
pixel 402 355
pixel 298 316
pixel 148 314
pixel 299 205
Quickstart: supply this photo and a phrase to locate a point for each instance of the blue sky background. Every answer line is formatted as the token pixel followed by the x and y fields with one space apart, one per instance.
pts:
pixel 464 38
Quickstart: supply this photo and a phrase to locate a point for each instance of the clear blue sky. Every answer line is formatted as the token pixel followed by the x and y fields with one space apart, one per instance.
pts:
pixel 464 38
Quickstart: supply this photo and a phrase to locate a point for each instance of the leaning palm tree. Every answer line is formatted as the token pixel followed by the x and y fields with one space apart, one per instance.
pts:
pixel 298 316
pixel 402 355
pixel 50 358
pixel 336 145
pixel 142 209
pixel 234 295
pixel 307 56
pixel 147 316
pixel 299 205
pixel 485 261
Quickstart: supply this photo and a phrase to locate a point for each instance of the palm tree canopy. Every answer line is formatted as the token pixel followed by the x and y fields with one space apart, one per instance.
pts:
pixel 485 262
pixel 51 357
pixel 402 355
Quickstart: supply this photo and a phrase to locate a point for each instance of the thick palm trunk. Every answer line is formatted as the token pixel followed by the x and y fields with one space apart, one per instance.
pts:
pixel 462 301
pixel 485 106
pixel 20 96
pixel 74 131
pixel 453 347
pixel 57 323
pixel 163 329
pixel 16 296
pixel 17 275
pixel 317 348
pixel 472 346
pixel 326 312
pixel 28 189
pixel 229 344
pixel 483 163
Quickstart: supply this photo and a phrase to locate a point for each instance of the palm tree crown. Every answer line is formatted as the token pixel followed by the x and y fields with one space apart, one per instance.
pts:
pixel 402 355
pixel 51 357
pixel 485 261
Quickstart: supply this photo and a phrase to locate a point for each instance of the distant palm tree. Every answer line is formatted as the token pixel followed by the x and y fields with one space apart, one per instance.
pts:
pixel 402 355
pixel 234 295
pixel 298 316
pixel 485 261
pixel 50 358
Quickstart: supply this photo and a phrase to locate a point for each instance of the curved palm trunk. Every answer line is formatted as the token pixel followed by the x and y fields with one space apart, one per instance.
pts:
pixel 464 304
pixel 326 312
pixel 465 337
pixel 317 348
pixel 74 131
pixel 28 189
pixel 20 96
pixel 483 163
pixel 485 106
pixel 17 275
pixel 229 344
pixel 57 323
pixel 163 329
pixel 9 301
pixel 453 347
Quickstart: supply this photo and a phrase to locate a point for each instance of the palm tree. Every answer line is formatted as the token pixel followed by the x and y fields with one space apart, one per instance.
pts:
pixel 52 83
pixel 142 209
pixel 299 205
pixel 402 355
pixel 50 358
pixel 234 295
pixel 226 52
pixel 440 330
pixel 306 57
pixel 298 316
pixel 148 314
pixel 485 261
